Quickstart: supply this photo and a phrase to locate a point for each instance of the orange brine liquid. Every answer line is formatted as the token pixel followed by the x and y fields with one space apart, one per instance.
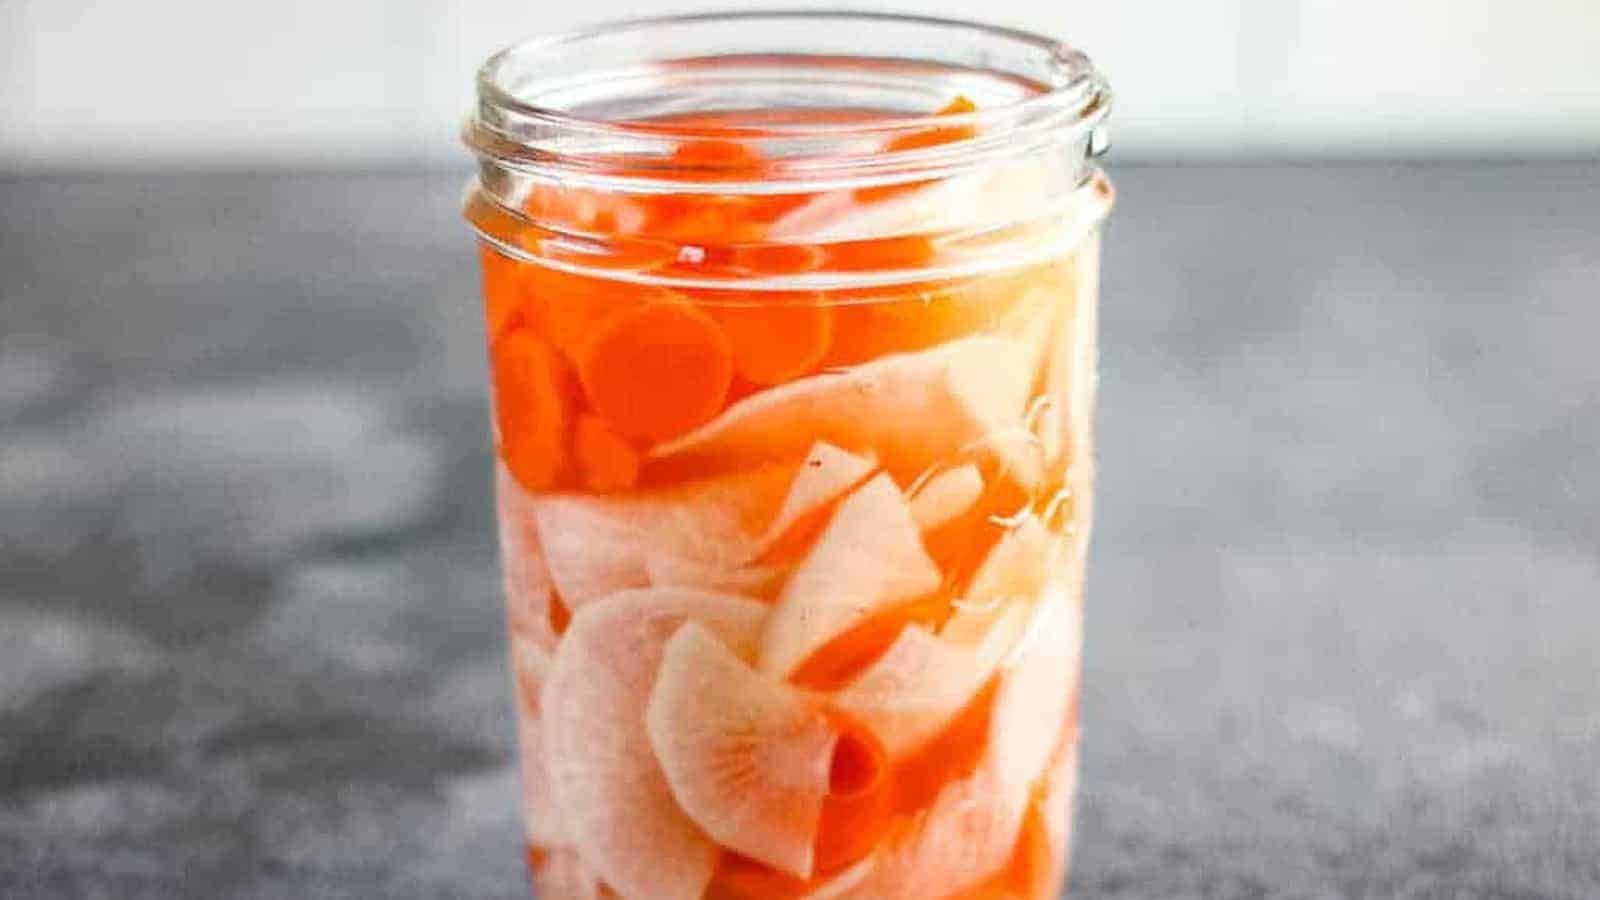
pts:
pixel 794 577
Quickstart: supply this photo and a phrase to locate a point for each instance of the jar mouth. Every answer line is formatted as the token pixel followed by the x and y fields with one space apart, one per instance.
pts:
pixel 570 105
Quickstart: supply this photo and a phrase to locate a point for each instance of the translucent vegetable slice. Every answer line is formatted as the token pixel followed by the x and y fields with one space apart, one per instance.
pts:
pixel 748 758
pixel 868 558
pixel 1036 696
pixel 599 544
pixel 1018 568
pixel 913 691
pixel 911 409
pixel 825 474
pixel 603 773
pixel 946 495
pixel 522 564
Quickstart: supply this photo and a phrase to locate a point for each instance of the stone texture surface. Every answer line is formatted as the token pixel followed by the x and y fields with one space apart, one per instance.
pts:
pixel 1345 612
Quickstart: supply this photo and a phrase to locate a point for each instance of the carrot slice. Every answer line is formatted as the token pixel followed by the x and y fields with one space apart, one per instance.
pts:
pixel 505 291
pixel 560 613
pixel 777 343
pixel 533 401
pixel 657 370
pixel 608 462
pixel 569 309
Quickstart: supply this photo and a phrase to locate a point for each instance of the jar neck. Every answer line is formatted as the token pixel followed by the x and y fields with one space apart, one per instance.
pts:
pixel 758 107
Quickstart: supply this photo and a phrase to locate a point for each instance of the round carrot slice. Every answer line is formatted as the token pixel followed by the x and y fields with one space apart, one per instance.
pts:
pixel 655 371
pixel 609 463
pixel 773 344
pixel 533 401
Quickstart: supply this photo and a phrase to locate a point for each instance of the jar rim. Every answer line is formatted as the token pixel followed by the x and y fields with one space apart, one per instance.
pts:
pixel 536 137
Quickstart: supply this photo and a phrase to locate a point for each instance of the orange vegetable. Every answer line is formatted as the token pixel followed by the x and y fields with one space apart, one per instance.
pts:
pixel 505 291
pixel 608 462
pixel 776 343
pixel 569 310
pixel 533 405
pixel 657 370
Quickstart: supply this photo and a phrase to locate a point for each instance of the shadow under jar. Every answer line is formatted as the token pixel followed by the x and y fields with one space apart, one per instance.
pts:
pixel 793 357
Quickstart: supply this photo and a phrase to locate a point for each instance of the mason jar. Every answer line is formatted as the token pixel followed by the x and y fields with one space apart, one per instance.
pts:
pixel 792 351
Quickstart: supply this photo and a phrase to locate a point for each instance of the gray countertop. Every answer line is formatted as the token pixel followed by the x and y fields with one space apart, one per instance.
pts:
pixel 1344 634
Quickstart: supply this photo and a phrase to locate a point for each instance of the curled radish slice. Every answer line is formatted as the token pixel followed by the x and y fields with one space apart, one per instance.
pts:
pixel 597 544
pixel 748 758
pixel 913 690
pixel 607 785
pixel 946 495
pixel 912 409
pixel 869 557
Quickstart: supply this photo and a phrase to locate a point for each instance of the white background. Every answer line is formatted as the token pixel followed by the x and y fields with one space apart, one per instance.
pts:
pixel 177 83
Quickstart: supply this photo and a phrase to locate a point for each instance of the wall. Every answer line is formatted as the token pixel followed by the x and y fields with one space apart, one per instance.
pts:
pixel 353 82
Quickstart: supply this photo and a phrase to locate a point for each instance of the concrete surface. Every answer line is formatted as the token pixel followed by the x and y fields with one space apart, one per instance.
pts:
pixel 1345 602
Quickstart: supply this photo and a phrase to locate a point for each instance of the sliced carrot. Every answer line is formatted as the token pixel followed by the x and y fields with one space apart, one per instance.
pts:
pixel 856 812
pixel 954 753
pixel 533 405
pixel 608 462
pixel 505 291
pixel 917 317
pixel 910 251
pixel 774 343
pixel 717 158
pixel 655 371
pixel 835 663
pixel 570 309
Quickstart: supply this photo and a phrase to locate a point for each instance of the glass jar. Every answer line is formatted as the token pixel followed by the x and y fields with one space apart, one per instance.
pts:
pixel 793 354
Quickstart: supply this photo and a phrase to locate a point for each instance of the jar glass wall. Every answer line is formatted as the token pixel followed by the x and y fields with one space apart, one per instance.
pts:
pixel 793 352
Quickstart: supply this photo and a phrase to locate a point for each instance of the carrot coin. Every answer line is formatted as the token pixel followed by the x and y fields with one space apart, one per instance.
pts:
pixel 777 343
pixel 655 371
pixel 608 462
pixel 533 402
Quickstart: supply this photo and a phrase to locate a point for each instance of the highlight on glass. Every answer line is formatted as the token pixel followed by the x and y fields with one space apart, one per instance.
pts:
pixel 793 354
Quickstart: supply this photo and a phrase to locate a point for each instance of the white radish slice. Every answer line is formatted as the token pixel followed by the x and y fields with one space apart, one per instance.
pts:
pixel 825 474
pixel 748 758
pixel 946 495
pixel 912 409
pixel 522 564
pixel 1035 696
pixel 530 664
pixel 1017 569
pixel 562 873
pixel 913 690
pixel 1061 790
pixel 597 544
pixel 603 773
pixel 868 557
pixel 752 580
pixel 964 837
